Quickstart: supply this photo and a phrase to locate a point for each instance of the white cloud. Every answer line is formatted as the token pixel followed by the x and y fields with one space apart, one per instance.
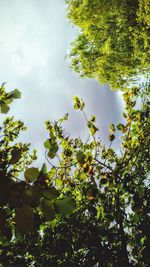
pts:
pixel 29 57
pixel 34 40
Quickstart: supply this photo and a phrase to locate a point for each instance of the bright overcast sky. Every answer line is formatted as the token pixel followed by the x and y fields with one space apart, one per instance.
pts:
pixel 34 40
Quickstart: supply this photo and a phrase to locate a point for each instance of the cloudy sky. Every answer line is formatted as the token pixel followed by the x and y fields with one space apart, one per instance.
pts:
pixel 35 38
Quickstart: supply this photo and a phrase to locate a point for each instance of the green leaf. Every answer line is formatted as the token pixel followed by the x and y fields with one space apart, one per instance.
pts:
pixel 47 144
pixel 24 219
pixel 80 157
pixel 16 94
pixel 32 195
pixel 51 155
pixel 143 240
pixel 112 128
pixel 4 108
pixel 59 182
pixel 52 173
pixel 52 146
pixel 65 206
pixel 31 174
pixel 93 129
pixel 100 212
pixel 44 168
pixel 78 103
pixel 42 227
pixel 65 118
pixel 16 156
pixel 51 193
pixel 93 119
pixel 53 223
pixel 136 217
pixel 48 209
pixel 120 127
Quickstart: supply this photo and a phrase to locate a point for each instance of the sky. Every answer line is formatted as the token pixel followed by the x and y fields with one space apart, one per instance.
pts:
pixel 35 38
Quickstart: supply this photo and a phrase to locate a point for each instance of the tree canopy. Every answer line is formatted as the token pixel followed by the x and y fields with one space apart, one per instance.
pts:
pixel 113 44
pixel 90 206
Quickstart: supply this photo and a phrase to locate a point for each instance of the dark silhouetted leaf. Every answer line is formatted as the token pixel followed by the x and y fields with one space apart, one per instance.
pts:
pixel 48 209
pixel 16 155
pixel 24 219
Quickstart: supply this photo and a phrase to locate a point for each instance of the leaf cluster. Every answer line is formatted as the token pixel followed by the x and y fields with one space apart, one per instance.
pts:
pixel 91 206
pixel 113 41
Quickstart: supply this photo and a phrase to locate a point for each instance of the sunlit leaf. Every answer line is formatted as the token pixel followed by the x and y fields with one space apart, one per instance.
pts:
pixel 16 94
pixel 4 108
pixel 44 168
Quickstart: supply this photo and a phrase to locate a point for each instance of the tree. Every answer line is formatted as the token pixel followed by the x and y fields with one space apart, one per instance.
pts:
pixel 113 41
pixel 92 205
pixel 27 195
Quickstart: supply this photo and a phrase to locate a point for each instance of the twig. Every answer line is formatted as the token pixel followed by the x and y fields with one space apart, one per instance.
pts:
pixel 103 164
pixel 59 167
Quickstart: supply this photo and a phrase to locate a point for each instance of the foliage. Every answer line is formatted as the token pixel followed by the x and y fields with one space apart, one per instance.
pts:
pixel 113 44
pixel 25 202
pixel 7 98
pixel 92 205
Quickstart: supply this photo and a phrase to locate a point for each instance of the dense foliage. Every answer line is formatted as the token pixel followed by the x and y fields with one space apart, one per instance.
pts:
pixel 113 44
pixel 91 206
pixel 27 195
pixel 88 205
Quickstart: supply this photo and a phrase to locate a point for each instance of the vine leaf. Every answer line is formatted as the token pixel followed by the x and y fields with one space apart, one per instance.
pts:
pixel 31 174
pixel 65 206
